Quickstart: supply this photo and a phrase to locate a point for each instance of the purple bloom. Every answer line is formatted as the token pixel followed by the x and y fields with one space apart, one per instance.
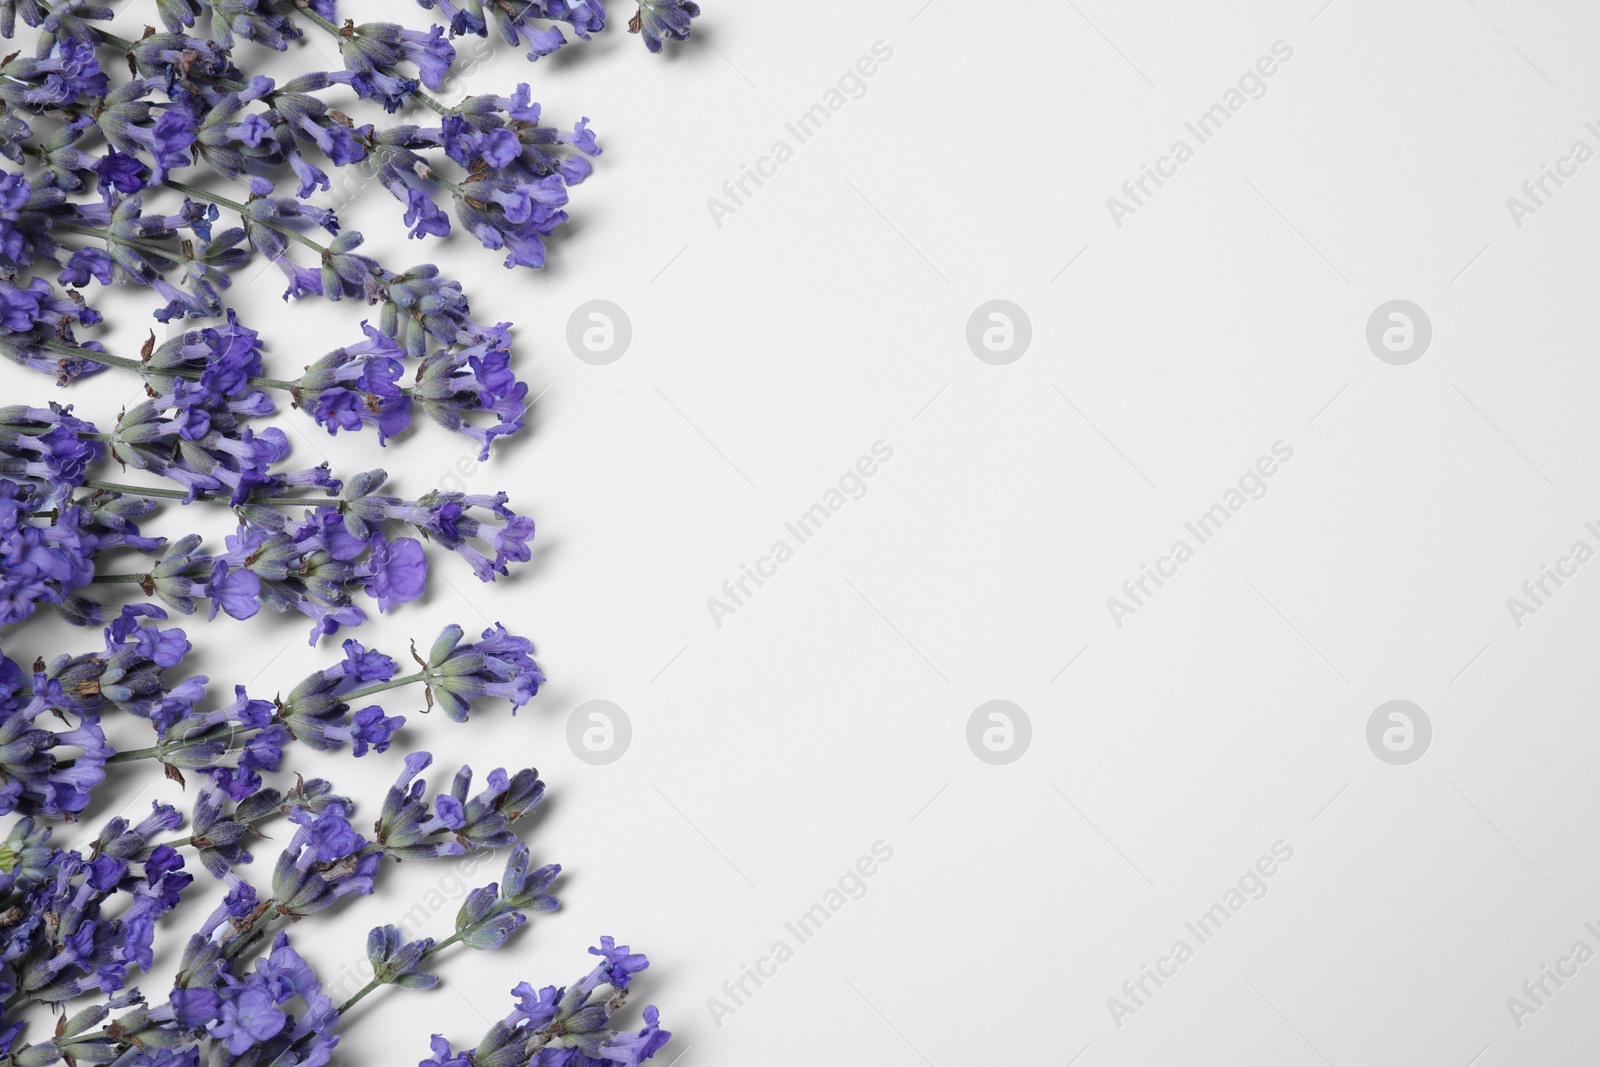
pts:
pixel 67 73
pixel 631 1049
pixel 442 1055
pixel 20 308
pixel 431 53
pixel 424 216
pixel 252 1014
pixel 358 385
pixel 194 1008
pixel 398 571
pixel 369 729
pixel 247 1019
pixel 365 665
pixel 226 358
pixel 127 674
pixel 25 220
pixel 46 446
pixel 236 592
pixel 315 709
pixel 122 172
pixel 498 665
pixel 513 214
pixel 447 518
pixel 535 1009
pixel 620 964
pixel 308 876
pixel 467 144
pixel 390 90
pixel 374 48
pixel 39 315
pixel 171 141
pixel 328 835
pixel 87 264
pixel 41 563
pixel 669 19
pixel 452 384
pixel 412 829
pixel 33 779
pixel 466 16
pixel 543 42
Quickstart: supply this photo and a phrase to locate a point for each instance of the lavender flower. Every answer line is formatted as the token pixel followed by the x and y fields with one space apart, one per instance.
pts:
pixel 358 385
pixel 41 563
pixel 375 48
pixel 396 961
pixel 47 447
pixel 570 1026
pixel 222 826
pixel 127 676
pixel 499 665
pixel 513 21
pixel 452 385
pixel 448 518
pixel 410 828
pixel 660 20
pixel 66 942
pixel 324 861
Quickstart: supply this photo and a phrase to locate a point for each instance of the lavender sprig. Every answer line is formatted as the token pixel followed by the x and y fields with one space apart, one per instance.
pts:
pixel 342 542
pixel 50 768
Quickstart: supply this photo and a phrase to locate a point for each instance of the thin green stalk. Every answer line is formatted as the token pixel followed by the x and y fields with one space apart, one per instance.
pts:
pixel 432 950
pixel 87 230
pixel 359 994
pixel 395 683
pixel 161 751
pixel 105 359
pixel 178 494
pixel 129 755
pixel 233 205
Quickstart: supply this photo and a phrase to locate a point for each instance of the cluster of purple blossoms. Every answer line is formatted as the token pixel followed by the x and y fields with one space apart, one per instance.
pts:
pixel 85 924
pixel 537 23
pixel 139 671
pixel 505 174
pixel 164 166
pixel 77 924
pixel 567 1027
pixel 306 542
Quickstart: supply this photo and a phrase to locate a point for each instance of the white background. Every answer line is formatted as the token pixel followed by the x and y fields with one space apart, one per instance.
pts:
pixel 829 312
